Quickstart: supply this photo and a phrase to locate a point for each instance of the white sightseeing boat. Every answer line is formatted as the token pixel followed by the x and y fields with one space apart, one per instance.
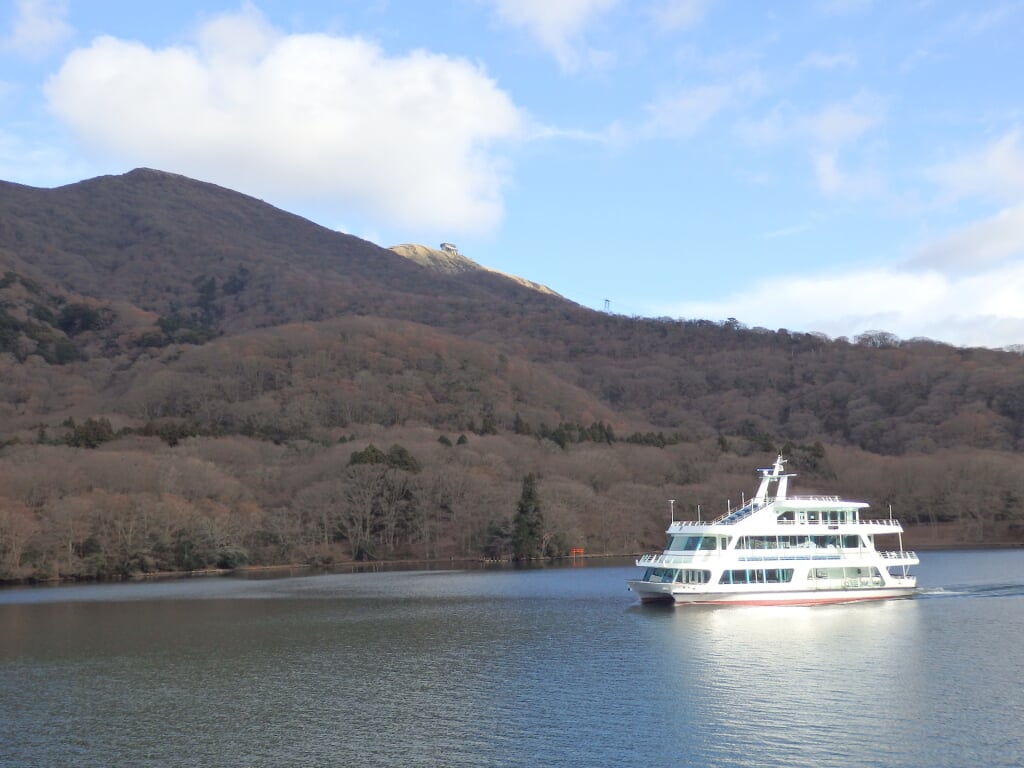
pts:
pixel 778 549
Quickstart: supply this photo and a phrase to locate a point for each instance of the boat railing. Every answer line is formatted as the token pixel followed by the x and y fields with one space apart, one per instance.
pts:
pixel 662 560
pixel 813 554
pixel 752 506
pixel 898 554
pixel 740 513
pixel 883 522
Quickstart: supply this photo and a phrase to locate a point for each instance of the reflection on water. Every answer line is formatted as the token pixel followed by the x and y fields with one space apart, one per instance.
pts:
pixel 518 668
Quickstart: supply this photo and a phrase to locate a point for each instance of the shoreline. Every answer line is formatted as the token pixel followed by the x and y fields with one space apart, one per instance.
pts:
pixel 358 566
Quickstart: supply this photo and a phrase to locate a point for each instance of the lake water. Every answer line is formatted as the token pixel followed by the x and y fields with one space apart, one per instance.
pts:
pixel 545 667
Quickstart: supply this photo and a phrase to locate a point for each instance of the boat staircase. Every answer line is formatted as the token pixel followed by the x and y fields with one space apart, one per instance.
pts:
pixel 740 513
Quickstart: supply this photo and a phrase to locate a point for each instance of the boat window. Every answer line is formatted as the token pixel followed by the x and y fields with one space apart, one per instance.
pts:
pixel 787 517
pixel 682 543
pixel 661 575
pixel 774 542
pixel 859 576
pixel 695 543
pixel 826 541
pixel 851 542
pixel 757 576
pixel 693 576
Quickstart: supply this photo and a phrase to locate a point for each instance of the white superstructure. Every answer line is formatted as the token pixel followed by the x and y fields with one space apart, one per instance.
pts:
pixel 779 549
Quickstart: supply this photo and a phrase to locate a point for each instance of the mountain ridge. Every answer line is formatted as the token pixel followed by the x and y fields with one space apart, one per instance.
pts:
pixel 161 223
pixel 450 261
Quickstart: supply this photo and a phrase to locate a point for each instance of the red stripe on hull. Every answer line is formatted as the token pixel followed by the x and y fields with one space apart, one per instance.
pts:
pixel 798 602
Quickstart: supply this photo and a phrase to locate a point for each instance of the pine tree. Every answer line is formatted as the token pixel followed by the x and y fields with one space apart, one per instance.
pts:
pixel 528 525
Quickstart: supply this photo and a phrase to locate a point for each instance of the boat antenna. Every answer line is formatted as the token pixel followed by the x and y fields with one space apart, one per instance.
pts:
pixel 698 513
pixel 672 510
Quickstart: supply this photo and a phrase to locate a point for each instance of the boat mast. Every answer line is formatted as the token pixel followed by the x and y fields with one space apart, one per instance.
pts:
pixel 774 474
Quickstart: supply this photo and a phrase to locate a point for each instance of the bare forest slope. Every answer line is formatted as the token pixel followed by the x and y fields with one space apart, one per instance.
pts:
pixel 191 377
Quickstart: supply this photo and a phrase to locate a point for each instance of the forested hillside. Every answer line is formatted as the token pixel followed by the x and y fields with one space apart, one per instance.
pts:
pixel 192 378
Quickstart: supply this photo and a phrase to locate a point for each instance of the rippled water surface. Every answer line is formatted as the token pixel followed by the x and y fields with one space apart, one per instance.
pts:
pixel 547 667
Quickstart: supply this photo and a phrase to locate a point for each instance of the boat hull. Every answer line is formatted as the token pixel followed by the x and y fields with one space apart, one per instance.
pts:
pixel 665 593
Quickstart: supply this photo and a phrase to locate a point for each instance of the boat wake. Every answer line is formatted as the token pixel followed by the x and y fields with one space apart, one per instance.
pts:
pixel 974 590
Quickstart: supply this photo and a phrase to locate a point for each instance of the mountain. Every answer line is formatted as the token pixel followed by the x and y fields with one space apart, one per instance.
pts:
pixel 156 240
pixel 192 377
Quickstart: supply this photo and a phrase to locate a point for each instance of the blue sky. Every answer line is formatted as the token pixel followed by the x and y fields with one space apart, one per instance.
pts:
pixel 837 166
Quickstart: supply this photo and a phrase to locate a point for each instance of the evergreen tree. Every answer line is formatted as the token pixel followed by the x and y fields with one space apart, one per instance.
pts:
pixel 528 525
pixel 498 539
pixel 370 455
pixel 91 433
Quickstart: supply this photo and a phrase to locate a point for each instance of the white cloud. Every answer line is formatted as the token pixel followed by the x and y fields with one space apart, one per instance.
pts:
pixel 827 61
pixel 557 26
pixel 827 136
pixel 38 27
pixel 674 15
pixel 843 7
pixel 841 123
pixel 980 20
pixel 996 171
pixel 985 309
pixel 774 128
pixel 980 246
pixel 682 114
pixel 832 127
pixel 965 289
pixel 835 182
pixel 410 141
pixel 784 232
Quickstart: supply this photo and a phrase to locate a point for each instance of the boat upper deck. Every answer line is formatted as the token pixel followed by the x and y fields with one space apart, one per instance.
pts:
pixel 678 559
pixel 689 526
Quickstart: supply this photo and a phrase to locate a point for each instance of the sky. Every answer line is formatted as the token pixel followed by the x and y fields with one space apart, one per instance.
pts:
pixel 830 166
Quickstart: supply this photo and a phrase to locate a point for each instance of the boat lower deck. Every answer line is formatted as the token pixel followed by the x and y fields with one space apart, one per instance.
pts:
pixel 681 595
